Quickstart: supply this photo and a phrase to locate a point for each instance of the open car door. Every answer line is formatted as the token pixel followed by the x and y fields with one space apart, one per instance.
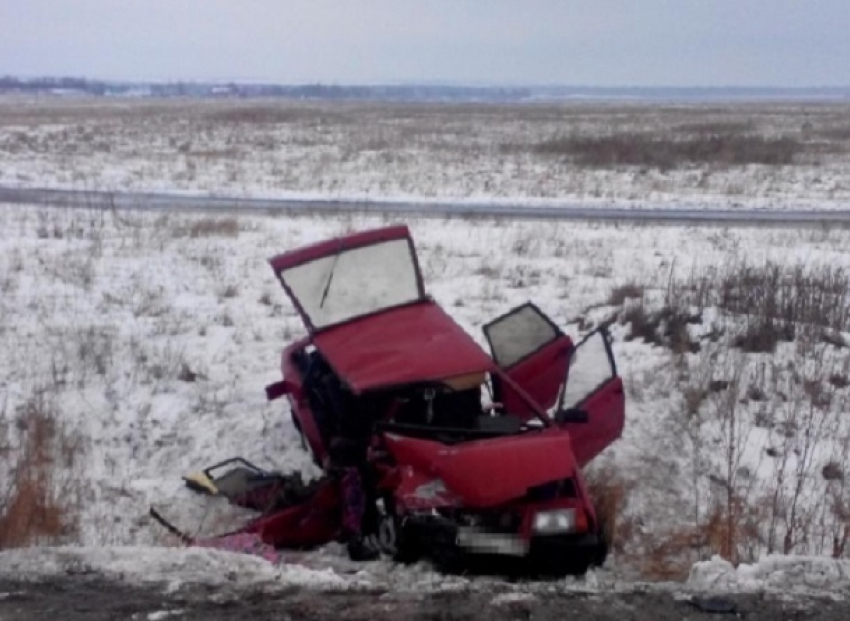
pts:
pixel 532 352
pixel 593 388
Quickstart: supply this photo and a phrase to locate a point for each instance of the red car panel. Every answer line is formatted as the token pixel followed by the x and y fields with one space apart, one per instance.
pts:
pixel 541 375
pixel 606 412
pixel 534 353
pixel 414 343
pixel 300 405
pixel 490 472
pixel 328 247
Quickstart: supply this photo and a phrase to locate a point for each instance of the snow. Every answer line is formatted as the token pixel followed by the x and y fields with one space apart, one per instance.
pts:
pixel 777 573
pixel 177 567
pixel 151 342
pixel 506 599
pixel 412 153
pixel 141 564
pixel 155 346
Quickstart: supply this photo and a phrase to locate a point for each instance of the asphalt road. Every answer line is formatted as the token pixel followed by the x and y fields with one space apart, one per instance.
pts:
pixel 161 201
pixel 93 597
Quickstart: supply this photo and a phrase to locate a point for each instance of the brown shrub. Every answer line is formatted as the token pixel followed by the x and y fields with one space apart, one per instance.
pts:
pixel 840 133
pixel 666 327
pixel 760 338
pixel 41 501
pixel 272 114
pixel 621 293
pixel 663 152
pixel 715 128
pixel 774 302
pixel 668 555
pixel 211 227
pixel 609 493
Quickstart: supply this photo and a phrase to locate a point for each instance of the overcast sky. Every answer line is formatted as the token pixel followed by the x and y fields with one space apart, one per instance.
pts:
pixel 567 42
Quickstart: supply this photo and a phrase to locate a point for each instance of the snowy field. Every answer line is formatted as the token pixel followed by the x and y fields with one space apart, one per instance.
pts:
pixel 147 340
pixel 781 155
pixel 137 345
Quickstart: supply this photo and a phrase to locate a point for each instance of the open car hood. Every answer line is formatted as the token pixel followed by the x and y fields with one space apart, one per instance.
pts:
pixel 363 302
pixel 338 280
pixel 490 472
pixel 414 343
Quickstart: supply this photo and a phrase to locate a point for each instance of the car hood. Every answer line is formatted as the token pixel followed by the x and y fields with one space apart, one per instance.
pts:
pixel 338 280
pixel 408 344
pixel 491 472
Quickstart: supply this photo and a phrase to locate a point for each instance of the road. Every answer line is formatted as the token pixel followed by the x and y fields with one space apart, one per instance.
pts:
pixel 163 201
pixel 94 597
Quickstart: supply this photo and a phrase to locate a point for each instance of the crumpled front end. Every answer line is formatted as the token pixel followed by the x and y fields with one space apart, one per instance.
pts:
pixel 519 497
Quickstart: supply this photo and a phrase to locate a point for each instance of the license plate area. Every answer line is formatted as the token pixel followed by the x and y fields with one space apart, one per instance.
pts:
pixel 484 542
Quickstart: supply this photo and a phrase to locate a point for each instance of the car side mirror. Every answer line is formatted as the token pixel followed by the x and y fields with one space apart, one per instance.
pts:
pixel 571 415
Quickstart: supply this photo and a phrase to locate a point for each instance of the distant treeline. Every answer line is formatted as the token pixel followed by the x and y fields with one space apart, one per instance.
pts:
pixel 413 92
pixel 232 89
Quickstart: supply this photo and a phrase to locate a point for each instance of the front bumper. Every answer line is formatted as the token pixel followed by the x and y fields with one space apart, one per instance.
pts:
pixel 438 531
pixel 479 541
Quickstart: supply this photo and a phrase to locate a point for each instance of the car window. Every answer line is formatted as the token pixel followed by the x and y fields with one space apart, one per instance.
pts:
pixel 590 366
pixel 518 334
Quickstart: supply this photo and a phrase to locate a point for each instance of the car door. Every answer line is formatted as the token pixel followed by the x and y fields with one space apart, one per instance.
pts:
pixel 593 387
pixel 533 352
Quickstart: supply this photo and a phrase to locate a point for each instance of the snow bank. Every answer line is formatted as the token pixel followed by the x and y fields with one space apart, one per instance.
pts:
pixel 179 566
pixel 174 566
pixel 773 573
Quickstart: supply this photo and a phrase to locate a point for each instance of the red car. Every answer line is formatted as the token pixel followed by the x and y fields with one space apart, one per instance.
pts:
pixel 455 477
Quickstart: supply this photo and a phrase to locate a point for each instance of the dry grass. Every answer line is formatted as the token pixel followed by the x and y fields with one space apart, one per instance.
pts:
pixel 435 150
pixel 621 293
pixel 665 153
pixel 715 128
pixel 40 502
pixel 667 326
pixel 772 302
pixel 791 404
pixel 214 227
pixel 272 113
pixel 653 554
pixel 609 493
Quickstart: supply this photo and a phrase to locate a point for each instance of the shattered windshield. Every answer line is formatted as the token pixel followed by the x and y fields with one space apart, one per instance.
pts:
pixel 354 282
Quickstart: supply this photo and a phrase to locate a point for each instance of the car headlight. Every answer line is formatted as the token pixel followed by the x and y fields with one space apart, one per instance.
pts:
pixel 554 522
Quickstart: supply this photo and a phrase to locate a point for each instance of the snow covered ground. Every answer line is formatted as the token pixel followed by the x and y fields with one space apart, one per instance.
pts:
pixel 151 337
pixel 148 338
pixel 414 152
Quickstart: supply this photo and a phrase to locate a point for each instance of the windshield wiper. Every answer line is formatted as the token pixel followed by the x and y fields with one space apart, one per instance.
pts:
pixel 330 277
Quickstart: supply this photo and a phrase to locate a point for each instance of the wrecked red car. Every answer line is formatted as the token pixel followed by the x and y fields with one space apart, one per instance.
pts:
pixel 469 456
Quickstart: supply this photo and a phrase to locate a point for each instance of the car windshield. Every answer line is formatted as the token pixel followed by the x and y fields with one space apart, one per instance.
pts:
pixel 354 282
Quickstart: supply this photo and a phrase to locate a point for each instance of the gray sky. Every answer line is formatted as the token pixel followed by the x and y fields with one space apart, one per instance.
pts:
pixel 570 42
